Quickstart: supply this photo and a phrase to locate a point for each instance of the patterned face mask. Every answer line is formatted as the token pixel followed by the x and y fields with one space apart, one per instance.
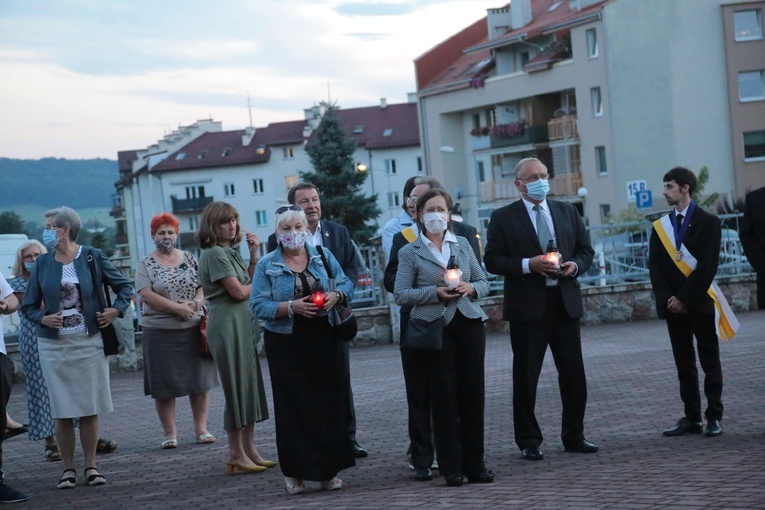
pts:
pixel 165 244
pixel 293 240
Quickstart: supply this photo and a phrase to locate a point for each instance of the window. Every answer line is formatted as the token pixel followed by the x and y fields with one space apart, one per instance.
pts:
pixel 390 166
pixel 388 132
pixel 751 85
pixel 288 152
pixel 524 58
pixel 597 102
pixel 358 130
pixel 476 120
pixel 605 212
pixel 600 160
pixel 754 146
pixel 180 156
pixel 194 223
pixel 290 181
pixel 257 186
pixel 393 200
pixel 225 152
pixel 747 25
pixel 592 43
pixel 480 170
pixel 261 218
pixel 228 189
pixel 419 163
pixel 195 191
pixel 202 154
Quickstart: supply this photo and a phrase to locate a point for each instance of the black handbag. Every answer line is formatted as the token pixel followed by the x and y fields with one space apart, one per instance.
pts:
pixel 422 335
pixel 343 319
pixel 108 333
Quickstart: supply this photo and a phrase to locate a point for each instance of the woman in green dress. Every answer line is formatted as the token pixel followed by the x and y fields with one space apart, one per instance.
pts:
pixel 226 282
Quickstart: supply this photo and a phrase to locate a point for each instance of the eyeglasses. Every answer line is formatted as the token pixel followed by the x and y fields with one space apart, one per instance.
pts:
pixel 283 209
pixel 52 227
pixel 535 178
pixel 412 198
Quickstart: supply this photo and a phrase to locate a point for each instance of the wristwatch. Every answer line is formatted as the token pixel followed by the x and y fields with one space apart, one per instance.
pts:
pixel 197 304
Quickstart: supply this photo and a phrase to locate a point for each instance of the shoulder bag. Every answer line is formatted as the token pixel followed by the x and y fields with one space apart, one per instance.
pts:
pixel 108 333
pixel 422 335
pixel 204 348
pixel 343 319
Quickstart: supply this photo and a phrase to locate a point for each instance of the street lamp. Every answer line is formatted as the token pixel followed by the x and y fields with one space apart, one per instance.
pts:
pixel 446 149
pixel 361 167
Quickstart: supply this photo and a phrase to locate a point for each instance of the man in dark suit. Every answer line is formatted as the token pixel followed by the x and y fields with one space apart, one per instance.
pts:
pixel 753 238
pixel 337 239
pixel 542 302
pixel 687 233
pixel 418 391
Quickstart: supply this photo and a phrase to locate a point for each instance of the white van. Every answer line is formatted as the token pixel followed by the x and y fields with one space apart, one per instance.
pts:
pixel 9 243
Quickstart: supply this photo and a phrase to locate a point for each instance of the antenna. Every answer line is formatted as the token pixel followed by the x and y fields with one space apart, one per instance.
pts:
pixel 249 107
pixel 329 94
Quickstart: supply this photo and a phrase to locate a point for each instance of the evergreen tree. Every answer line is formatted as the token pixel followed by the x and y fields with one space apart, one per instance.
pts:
pixel 11 223
pixel 98 240
pixel 342 201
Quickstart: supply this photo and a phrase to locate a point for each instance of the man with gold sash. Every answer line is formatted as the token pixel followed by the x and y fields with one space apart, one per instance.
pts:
pixel 683 258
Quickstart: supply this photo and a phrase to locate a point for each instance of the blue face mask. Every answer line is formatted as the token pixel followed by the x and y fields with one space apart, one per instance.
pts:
pixel 538 189
pixel 29 266
pixel 49 239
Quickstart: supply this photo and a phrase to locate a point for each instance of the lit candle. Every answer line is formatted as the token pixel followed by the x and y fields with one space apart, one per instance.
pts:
pixel 553 256
pixel 318 299
pixel 452 277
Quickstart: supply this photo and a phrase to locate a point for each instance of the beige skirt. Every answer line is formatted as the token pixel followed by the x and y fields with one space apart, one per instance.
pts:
pixel 77 375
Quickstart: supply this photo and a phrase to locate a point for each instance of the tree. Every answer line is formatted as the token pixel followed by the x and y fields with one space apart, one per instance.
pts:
pixel 11 223
pixel 98 240
pixel 334 173
pixel 701 183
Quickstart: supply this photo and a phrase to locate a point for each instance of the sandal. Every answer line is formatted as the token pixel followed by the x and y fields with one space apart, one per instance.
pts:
pixel 205 438
pixel 95 478
pixel 334 484
pixel 169 444
pixel 68 482
pixel 105 446
pixel 52 453
pixel 294 485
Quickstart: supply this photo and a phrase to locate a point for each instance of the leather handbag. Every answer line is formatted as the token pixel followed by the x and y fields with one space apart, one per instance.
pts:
pixel 422 335
pixel 343 319
pixel 204 348
pixel 108 333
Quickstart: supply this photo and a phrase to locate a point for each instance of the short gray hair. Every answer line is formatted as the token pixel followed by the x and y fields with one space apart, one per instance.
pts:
pixel 66 217
pixel 430 181
pixel 522 162
pixel 290 215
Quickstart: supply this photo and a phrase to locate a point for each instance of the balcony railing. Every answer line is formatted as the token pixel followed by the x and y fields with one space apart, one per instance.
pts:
pixel 563 127
pixel 120 239
pixel 190 205
pixel 186 240
pixel 504 189
pixel 531 134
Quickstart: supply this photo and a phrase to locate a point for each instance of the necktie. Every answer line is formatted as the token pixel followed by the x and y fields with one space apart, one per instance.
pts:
pixel 678 223
pixel 543 231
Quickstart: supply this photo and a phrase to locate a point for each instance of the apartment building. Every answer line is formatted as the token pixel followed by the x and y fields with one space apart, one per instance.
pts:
pixel 609 94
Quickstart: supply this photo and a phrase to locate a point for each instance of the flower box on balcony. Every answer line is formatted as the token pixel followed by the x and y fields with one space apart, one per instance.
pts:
pixel 531 134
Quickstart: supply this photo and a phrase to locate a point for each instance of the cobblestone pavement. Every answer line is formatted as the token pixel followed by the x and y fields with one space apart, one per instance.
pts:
pixel 633 395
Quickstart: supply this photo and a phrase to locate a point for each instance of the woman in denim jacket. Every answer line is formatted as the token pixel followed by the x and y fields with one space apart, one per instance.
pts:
pixel 64 300
pixel 305 358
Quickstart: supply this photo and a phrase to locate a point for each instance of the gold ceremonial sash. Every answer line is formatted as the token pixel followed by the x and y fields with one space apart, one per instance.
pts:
pixel 727 323
pixel 409 234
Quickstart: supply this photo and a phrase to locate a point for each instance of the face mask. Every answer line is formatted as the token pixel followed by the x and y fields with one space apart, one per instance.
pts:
pixel 49 239
pixel 165 244
pixel 29 266
pixel 293 240
pixel 435 222
pixel 538 189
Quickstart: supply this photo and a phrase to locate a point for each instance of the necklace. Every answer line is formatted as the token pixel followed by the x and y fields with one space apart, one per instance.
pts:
pixel 69 256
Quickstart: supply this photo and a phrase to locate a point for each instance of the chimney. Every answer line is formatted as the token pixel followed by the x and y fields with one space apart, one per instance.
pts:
pixel 383 103
pixel 249 134
pixel 520 12
pixel 498 21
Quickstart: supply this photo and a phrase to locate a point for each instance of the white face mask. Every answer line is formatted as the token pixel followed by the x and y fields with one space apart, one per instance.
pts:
pixel 435 222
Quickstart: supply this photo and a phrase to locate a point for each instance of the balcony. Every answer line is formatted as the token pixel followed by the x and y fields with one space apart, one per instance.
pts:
pixel 529 135
pixel 504 189
pixel 563 127
pixel 190 205
pixel 120 239
pixel 186 240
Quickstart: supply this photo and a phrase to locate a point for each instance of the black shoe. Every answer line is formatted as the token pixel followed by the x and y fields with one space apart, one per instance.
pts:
pixel 582 446
pixel 11 495
pixel 454 480
pixel 14 431
pixel 358 451
pixel 532 453
pixel 485 477
pixel 423 474
pixel 684 426
pixel 714 428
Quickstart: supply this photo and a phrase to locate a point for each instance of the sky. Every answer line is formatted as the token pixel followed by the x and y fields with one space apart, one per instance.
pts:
pixel 88 78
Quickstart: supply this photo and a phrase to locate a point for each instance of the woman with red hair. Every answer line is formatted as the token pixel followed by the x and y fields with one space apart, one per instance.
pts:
pixel 167 280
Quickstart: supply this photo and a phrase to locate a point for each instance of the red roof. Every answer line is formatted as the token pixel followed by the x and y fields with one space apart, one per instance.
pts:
pixel 215 150
pixel 457 60
pixel 393 126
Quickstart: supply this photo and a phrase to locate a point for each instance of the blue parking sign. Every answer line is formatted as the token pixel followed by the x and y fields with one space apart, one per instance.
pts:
pixel 644 199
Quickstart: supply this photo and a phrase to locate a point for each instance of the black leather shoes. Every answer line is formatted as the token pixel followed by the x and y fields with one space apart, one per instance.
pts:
pixel 454 480
pixel 582 446
pixel 684 426
pixel 714 428
pixel 532 453
pixel 485 477
pixel 358 451
pixel 423 474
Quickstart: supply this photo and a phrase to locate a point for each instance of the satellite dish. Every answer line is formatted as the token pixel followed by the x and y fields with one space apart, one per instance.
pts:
pixel 457 192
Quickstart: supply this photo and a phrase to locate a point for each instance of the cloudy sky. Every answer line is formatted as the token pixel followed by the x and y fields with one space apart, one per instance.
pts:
pixel 87 78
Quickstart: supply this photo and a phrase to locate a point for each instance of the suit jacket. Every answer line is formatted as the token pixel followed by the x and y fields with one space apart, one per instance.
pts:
pixel 511 237
pixel 399 241
pixel 752 230
pixel 337 239
pixel 419 273
pixel 702 239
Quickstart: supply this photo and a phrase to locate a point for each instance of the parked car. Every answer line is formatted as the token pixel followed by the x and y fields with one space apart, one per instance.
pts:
pixel 365 293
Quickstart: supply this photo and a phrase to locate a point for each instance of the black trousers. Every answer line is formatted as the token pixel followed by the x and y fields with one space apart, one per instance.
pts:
pixel 761 290
pixel 6 384
pixel 529 340
pixel 349 396
pixel 682 328
pixel 450 385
